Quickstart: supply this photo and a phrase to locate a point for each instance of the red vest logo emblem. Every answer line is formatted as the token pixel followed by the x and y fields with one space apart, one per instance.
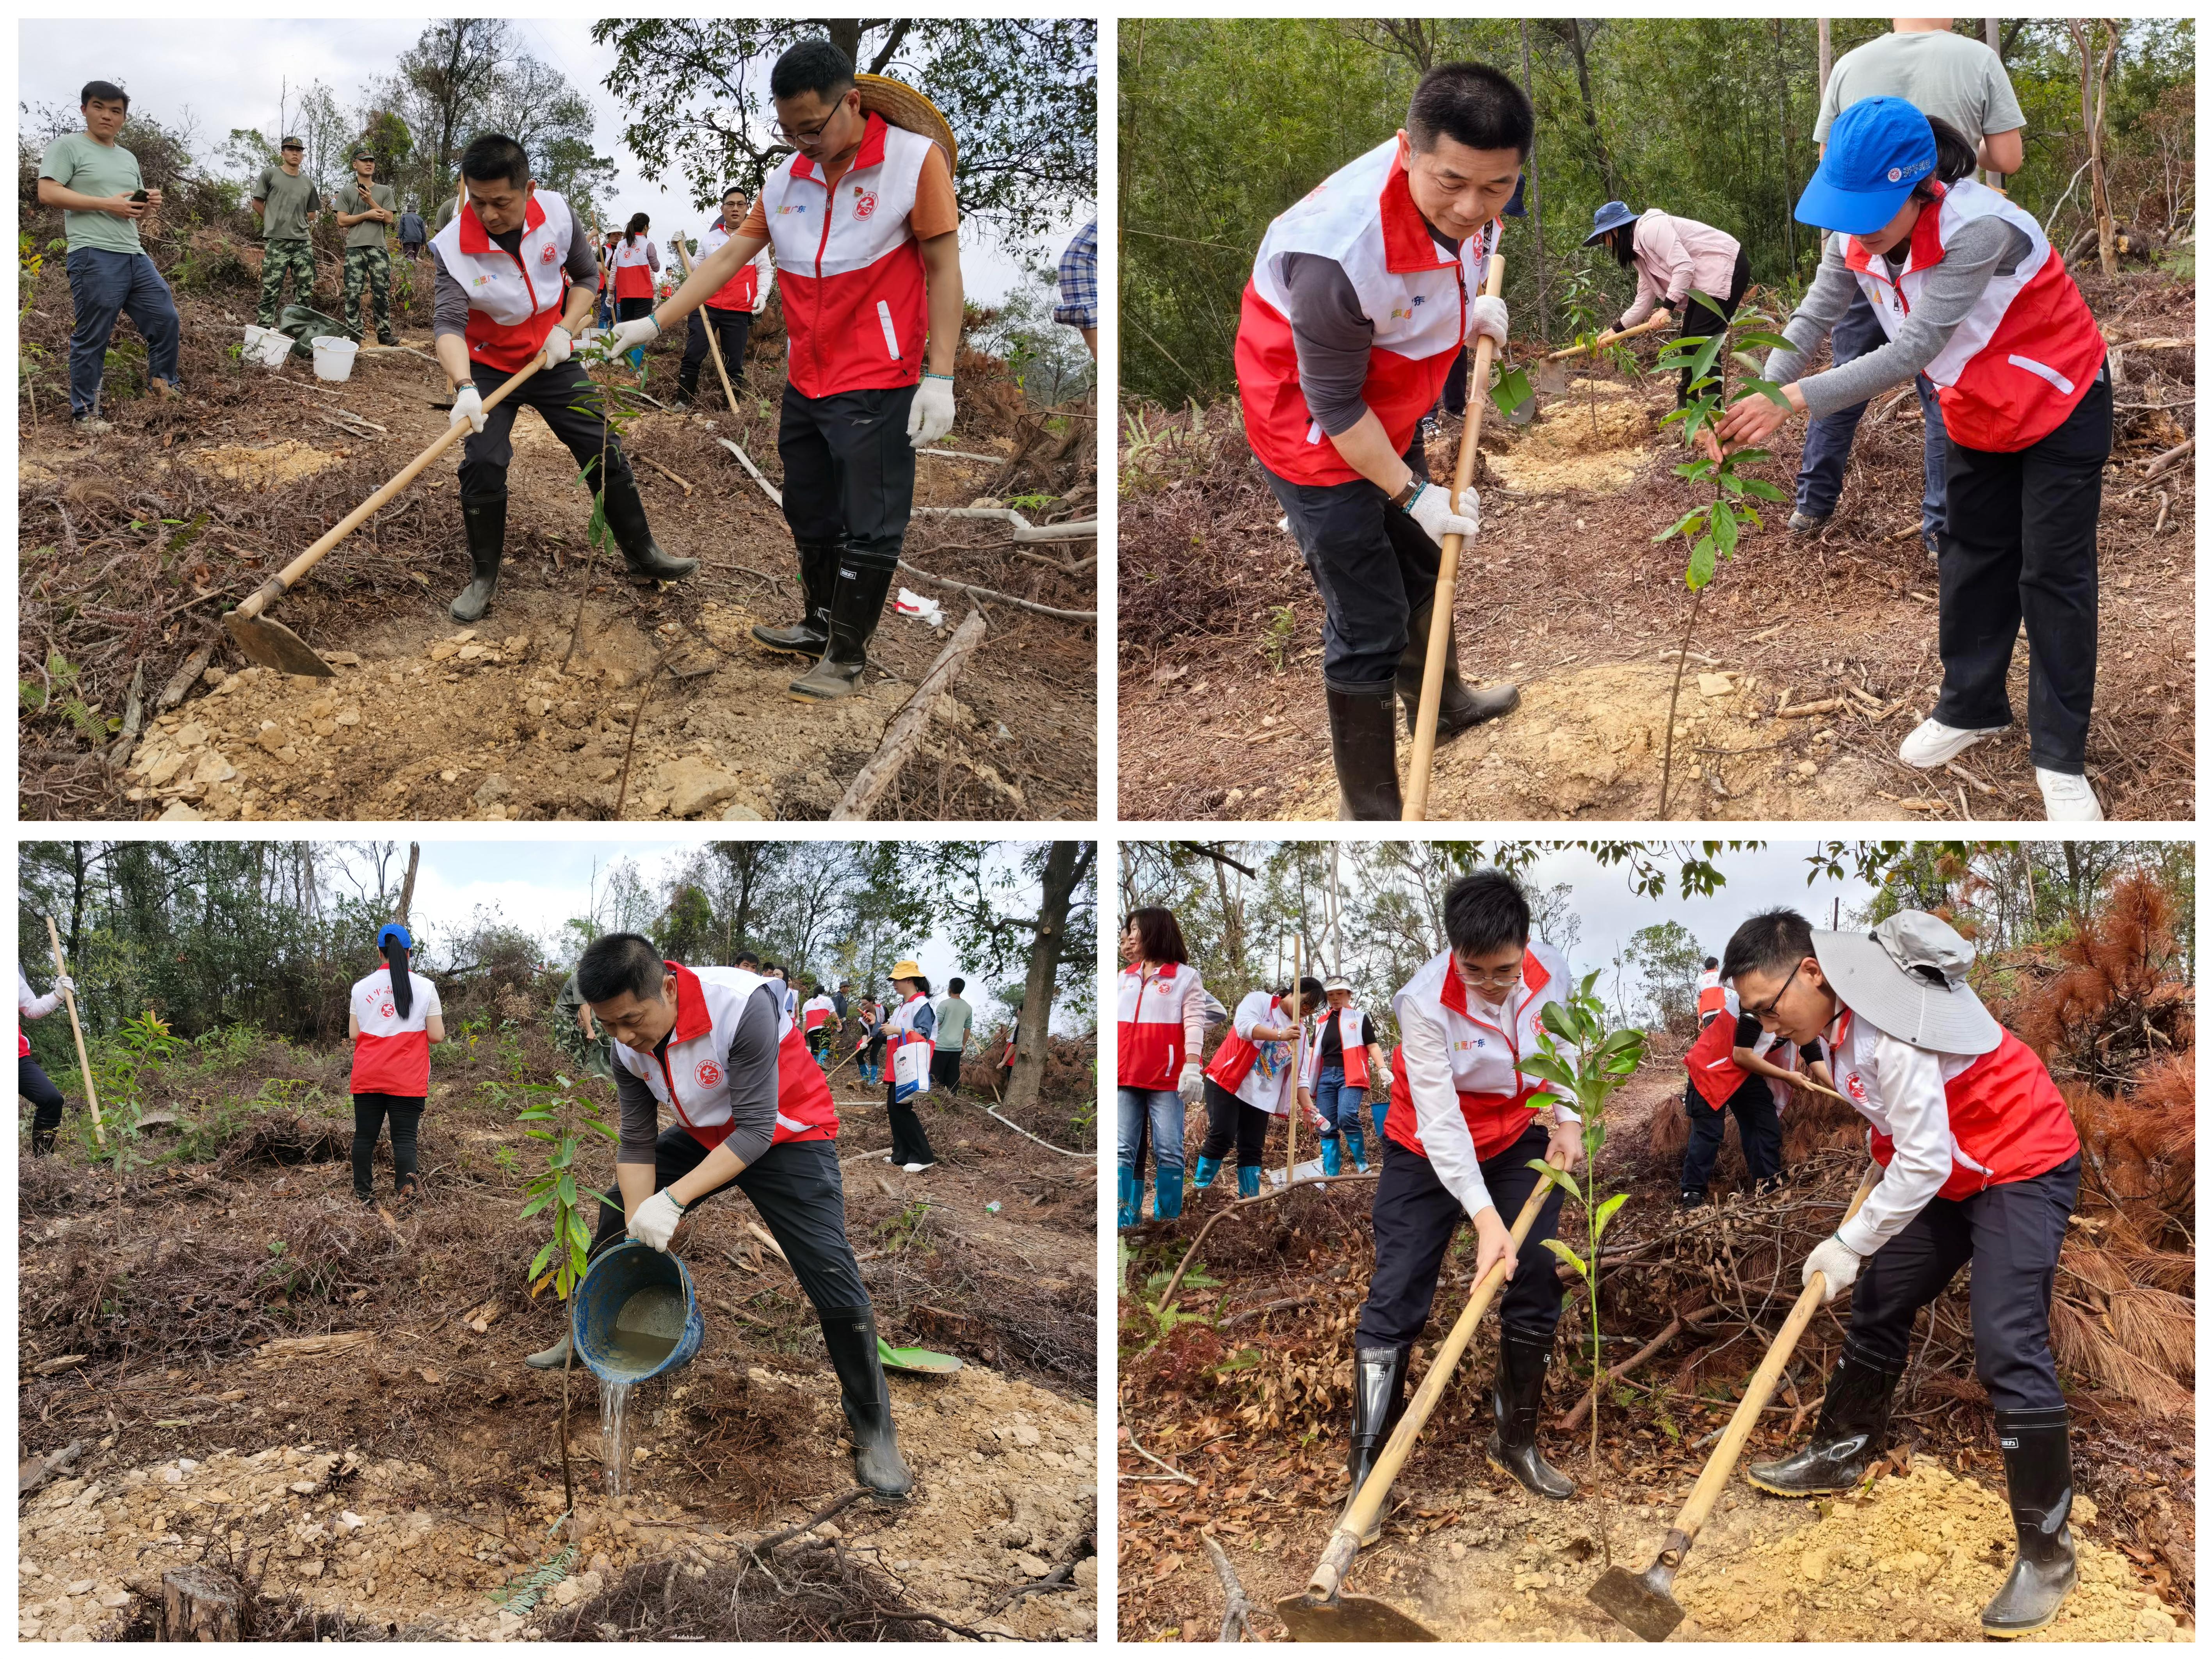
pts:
pixel 385 1008
pixel 709 1074
pixel 1856 1088
pixel 865 205
pixel 548 257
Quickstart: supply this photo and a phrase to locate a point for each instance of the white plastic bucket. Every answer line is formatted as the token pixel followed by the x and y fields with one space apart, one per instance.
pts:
pixel 334 357
pixel 254 335
pixel 270 350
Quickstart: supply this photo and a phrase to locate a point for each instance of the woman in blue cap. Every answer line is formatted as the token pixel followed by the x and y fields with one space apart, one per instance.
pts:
pixel 393 1019
pixel 1970 293
pixel 1675 258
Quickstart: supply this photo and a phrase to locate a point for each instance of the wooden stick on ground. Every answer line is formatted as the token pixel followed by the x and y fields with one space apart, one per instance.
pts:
pixel 884 766
pixel 1237 1608
pixel 666 473
pixel 1673 1329
pixel 69 998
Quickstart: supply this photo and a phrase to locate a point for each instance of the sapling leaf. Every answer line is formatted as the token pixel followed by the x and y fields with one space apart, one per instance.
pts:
pixel 1696 468
pixel 1605 1214
pixel 1707 353
pixel 1745 456
pixel 536 1205
pixel 1745 361
pixel 1549 1069
pixel 1688 522
pixel 1709 302
pixel 1764 490
pixel 1560 1175
pixel 1758 337
pixel 1703 558
pixel 1554 1017
pixel 1566 1255
pixel 1766 389
pixel 1724 529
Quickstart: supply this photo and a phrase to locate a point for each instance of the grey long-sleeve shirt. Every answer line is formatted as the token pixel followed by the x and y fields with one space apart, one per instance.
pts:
pixel 449 302
pixel 1334 337
pixel 750 1066
pixel 1982 249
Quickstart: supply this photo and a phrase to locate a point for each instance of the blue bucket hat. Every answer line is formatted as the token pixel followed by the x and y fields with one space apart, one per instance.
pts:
pixel 1878 150
pixel 392 930
pixel 1610 217
pixel 1518 207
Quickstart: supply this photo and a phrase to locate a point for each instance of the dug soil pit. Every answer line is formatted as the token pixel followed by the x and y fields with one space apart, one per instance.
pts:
pixel 1574 445
pixel 266 467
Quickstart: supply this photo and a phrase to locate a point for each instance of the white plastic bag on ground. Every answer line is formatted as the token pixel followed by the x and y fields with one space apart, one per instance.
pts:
pixel 911 603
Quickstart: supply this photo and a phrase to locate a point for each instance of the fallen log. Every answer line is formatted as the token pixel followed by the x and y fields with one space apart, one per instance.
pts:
pixel 884 766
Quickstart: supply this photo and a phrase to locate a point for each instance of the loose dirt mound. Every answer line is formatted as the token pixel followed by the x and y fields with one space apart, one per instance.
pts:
pixel 263 468
pixel 1567 448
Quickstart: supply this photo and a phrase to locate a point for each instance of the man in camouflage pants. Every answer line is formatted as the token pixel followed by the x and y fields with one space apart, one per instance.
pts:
pixel 366 220
pixel 288 204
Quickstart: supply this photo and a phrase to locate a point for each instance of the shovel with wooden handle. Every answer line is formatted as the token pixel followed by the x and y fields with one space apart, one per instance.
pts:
pixel 1440 613
pixel 275 646
pixel 1645 1601
pixel 68 1001
pixel 713 345
pixel 1552 380
pixel 1320 1613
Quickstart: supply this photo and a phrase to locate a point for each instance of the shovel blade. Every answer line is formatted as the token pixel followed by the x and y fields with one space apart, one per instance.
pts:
pixel 1640 1600
pixel 1350 1619
pixel 917 1359
pixel 1551 379
pixel 272 644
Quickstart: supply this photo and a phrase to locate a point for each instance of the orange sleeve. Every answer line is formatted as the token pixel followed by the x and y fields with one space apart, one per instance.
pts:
pixel 756 223
pixel 936 208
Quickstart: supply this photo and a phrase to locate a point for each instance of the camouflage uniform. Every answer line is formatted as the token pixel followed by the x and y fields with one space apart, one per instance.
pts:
pixel 372 265
pixel 277 258
pixel 595 1053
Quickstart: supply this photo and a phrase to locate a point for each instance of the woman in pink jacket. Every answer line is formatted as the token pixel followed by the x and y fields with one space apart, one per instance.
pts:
pixel 1675 258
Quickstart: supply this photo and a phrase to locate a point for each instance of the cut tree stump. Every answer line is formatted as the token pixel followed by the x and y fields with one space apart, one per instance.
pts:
pixel 199 1604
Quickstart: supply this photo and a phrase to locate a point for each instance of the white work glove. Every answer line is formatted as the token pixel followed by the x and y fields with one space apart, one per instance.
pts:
pixel 931 416
pixel 64 982
pixel 1432 511
pixel 654 1223
pixel 1486 314
pixel 1192 1085
pixel 468 405
pixel 1833 1259
pixel 558 344
pixel 637 331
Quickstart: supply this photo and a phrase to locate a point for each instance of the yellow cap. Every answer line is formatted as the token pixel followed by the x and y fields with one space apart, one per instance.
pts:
pixel 908 969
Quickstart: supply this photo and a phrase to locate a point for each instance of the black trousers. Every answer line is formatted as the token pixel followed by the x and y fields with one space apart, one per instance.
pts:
pixel 731 329
pixel 2019 544
pixel 796 1187
pixel 1231 1123
pixel 2011 1234
pixel 1758 1124
pixel 369 1112
pixel 630 310
pixel 36 1086
pixel 1374 565
pixel 1415 1217
pixel 945 1068
pixel 848 470
pixel 569 403
pixel 1700 319
pixel 910 1140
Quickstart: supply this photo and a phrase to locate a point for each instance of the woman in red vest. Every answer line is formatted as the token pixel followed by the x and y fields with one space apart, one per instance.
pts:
pixel 1730 1071
pixel 1972 295
pixel 31 1081
pixel 634 260
pixel 393 1017
pixel 1343 1059
pixel 1980 1166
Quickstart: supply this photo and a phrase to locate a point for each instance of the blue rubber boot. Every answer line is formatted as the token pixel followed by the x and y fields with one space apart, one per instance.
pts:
pixel 1331 1154
pixel 1130 1193
pixel 1358 1144
pixel 1248 1181
pixel 1167 1196
pixel 1381 1110
pixel 1202 1177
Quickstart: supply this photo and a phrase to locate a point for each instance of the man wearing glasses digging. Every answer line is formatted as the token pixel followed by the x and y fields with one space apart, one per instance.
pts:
pixel 1462 1137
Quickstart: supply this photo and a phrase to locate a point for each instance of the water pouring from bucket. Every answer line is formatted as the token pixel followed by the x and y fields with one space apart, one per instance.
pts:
pixel 634 1316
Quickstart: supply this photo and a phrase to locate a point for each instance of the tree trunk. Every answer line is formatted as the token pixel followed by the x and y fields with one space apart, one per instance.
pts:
pixel 199 1604
pixel 407 887
pixel 1064 869
pixel 1590 109
pixel 1535 196
pixel 2096 65
pixel 1789 160
pixel 1827 56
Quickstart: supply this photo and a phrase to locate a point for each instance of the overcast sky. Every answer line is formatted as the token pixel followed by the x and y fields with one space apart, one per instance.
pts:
pixel 227 72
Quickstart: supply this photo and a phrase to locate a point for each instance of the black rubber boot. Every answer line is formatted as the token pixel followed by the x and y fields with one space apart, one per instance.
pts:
pixel 486 523
pixel 817 578
pixel 2039 1482
pixel 1378 1400
pixel 626 521
pixel 548 1359
pixel 42 1142
pixel 1515 1397
pixel 1853 1430
pixel 1362 736
pixel 851 1334
pixel 1462 707
pixel 856 605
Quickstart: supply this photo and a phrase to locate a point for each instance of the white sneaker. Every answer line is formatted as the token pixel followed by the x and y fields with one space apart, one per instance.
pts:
pixel 1931 742
pixel 916 1168
pixel 2067 799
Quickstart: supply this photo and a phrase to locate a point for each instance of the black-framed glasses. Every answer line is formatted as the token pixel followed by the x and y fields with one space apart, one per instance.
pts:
pixel 800 134
pixel 1762 1015
pixel 1505 980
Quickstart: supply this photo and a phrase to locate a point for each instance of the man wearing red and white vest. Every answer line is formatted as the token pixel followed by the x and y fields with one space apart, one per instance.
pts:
pixel 715 1048
pixel 515 279
pixel 817 1018
pixel 1980 1164
pixel 1734 1067
pixel 1970 294
pixel 1361 299
pixel 1249 1083
pixel 730 310
pixel 865 226
pixel 1342 1059
pixel 1712 996
pixel 1462 1136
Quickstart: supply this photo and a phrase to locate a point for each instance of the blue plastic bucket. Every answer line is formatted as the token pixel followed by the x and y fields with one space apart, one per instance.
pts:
pixel 636 1315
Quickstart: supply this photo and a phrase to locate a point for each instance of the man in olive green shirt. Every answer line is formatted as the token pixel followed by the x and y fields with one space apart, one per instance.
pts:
pixel 288 204
pixel 366 220
pixel 96 183
pixel 954 1016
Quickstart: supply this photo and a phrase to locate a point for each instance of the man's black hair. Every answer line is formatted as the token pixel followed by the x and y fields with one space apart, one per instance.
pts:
pixel 1471 104
pixel 1310 992
pixel 1772 942
pixel 814 66
pixel 614 964
pixel 748 959
pixel 1486 912
pixel 731 189
pixel 1712 963
pixel 493 156
pixel 107 91
pixel 956 986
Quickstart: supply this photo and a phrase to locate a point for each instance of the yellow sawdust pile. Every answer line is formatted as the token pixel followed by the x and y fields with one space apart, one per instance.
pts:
pixel 263 468
pixel 1567 449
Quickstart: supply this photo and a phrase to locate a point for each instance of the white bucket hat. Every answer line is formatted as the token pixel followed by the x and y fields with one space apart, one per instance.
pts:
pixel 1336 983
pixel 1908 978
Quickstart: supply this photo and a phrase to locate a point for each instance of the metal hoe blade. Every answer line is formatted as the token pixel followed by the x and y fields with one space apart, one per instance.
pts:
pixel 275 646
pixel 1551 379
pixel 1350 1619
pixel 1643 1601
